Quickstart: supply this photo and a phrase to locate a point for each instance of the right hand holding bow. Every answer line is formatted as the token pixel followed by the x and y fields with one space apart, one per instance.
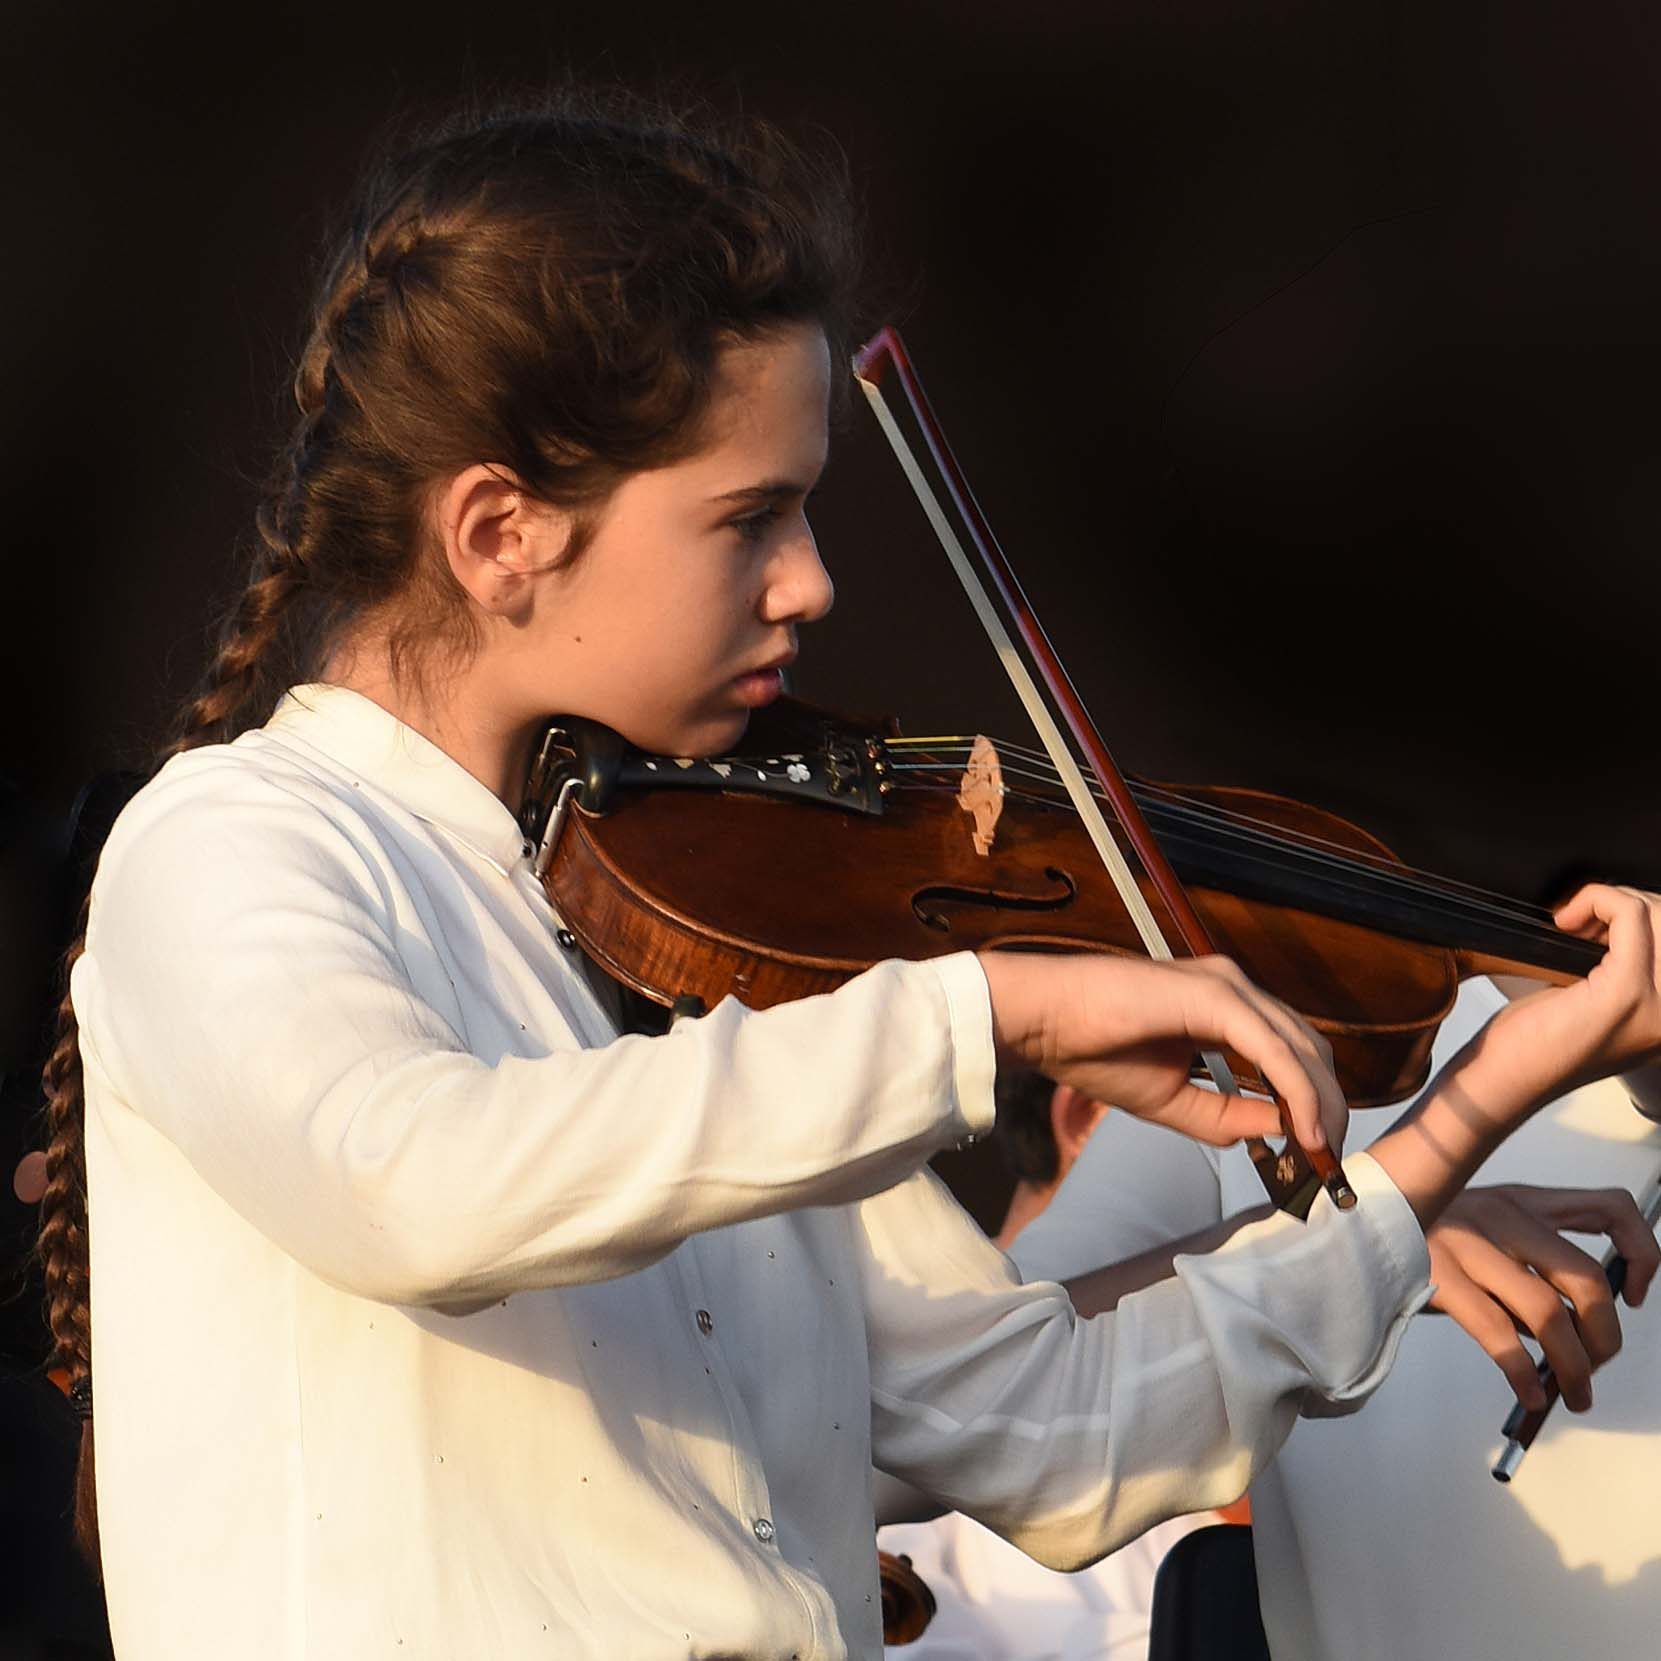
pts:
pixel 1125 1030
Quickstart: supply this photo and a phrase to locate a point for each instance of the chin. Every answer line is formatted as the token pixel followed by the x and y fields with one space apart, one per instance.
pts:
pixel 710 735
pixel 718 735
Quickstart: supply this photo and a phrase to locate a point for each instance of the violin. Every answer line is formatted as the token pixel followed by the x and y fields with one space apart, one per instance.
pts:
pixel 1299 899
pixel 829 844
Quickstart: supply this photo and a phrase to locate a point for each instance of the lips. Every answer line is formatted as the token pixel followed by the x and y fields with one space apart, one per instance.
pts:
pixel 772 666
pixel 759 686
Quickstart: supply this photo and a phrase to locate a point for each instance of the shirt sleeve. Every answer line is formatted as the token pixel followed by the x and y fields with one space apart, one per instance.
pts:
pixel 245 990
pixel 1071 1436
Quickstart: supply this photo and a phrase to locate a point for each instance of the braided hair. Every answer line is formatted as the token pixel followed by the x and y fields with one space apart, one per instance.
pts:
pixel 548 289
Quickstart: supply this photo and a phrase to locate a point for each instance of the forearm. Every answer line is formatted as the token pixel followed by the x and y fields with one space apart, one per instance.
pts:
pixel 1482 1095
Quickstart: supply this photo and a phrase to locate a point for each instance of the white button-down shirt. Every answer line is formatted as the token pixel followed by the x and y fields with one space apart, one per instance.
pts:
pixel 433 1319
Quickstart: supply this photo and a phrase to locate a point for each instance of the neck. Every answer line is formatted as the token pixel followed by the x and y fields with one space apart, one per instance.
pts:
pixel 1025 1203
pixel 459 712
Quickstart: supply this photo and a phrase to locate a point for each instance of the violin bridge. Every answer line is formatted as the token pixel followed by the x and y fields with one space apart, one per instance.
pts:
pixel 981 793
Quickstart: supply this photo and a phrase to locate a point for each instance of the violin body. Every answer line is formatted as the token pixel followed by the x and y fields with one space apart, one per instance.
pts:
pixel 711 892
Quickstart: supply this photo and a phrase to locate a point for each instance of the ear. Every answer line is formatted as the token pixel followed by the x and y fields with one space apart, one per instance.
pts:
pixel 1073 1115
pixel 498 538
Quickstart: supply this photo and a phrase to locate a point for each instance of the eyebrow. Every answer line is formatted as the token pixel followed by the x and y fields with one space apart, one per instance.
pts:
pixel 768 490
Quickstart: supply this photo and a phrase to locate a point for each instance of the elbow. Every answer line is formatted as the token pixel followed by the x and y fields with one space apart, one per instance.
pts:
pixel 452 1271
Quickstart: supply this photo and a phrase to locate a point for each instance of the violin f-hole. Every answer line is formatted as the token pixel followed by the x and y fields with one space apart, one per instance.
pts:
pixel 926 901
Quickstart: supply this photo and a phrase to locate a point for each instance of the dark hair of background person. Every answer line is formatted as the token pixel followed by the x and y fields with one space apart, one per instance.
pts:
pixel 547 288
pixel 1023 1134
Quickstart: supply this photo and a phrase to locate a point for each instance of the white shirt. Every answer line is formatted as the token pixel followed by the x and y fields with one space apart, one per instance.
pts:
pixel 993 1603
pixel 341 1080
pixel 1384 1536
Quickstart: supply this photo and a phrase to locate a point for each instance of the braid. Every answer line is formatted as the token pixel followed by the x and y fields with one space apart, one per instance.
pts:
pixel 240 680
pixel 63 1237
pixel 252 664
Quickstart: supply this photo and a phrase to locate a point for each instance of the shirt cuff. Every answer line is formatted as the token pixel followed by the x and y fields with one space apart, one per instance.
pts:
pixel 974 1056
pixel 1401 1263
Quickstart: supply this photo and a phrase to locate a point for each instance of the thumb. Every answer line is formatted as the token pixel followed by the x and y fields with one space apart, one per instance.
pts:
pixel 1208 1116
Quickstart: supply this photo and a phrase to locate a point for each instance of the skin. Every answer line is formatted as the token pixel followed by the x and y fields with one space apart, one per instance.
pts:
pixel 695 573
pixel 699 574
pixel 1072 1118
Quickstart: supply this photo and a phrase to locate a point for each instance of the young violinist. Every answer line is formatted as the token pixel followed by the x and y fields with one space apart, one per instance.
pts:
pixel 424 1314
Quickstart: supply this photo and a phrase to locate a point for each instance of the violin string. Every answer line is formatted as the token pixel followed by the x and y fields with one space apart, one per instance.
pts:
pixel 1292 855
pixel 1148 792
pixel 1202 815
pixel 1295 855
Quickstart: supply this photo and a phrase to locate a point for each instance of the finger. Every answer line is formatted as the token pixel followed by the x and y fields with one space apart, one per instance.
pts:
pixel 1569 1272
pixel 1544 1315
pixel 1494 1331
pixel 1313 1045
pixel 1610 1211
pixel 1313 1052
pixel 1225 1014
pixel 1592 911
pixel 1209 1116
pixel 1643 1260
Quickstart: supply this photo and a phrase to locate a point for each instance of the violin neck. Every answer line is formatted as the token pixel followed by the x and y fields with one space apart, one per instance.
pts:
pixel 1488 933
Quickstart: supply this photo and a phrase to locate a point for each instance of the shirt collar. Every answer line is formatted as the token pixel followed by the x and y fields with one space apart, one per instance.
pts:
pixel 375 746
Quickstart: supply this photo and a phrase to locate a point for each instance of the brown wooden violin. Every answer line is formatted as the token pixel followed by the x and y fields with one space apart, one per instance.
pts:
pixel 828 845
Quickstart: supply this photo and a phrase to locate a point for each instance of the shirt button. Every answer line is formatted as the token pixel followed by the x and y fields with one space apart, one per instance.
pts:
pixel 706 1322
pixel 764 1530
pixel 527 849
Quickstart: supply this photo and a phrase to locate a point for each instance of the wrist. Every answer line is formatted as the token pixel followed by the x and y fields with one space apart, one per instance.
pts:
pixel 1016 1023
pixel 1436 1146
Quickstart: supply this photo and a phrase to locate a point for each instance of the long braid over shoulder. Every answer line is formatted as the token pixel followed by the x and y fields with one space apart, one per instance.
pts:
pixel 546 290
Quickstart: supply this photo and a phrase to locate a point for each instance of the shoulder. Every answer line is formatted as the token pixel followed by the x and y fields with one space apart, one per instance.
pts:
pixel 238 815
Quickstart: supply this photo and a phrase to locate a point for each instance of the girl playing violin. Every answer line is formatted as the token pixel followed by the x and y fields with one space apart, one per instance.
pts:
pixel 432 1316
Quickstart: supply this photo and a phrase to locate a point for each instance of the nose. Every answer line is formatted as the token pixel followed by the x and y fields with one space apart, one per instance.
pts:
pixel 799 588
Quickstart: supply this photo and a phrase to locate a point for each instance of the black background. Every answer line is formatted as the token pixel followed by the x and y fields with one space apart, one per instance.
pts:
pixel 1302 354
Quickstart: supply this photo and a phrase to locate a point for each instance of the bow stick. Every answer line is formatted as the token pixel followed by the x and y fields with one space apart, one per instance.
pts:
pixel 1287 1177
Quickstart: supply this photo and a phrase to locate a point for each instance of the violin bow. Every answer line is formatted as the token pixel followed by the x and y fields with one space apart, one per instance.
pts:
pixel 1292 1177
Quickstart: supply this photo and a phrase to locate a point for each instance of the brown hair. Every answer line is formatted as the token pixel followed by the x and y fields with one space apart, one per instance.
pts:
pixel 547 289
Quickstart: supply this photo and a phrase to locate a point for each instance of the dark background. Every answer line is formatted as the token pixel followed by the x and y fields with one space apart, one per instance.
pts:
pixel 1303 354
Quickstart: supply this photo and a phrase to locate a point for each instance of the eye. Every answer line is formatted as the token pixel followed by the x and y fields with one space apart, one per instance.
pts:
pixel 754 526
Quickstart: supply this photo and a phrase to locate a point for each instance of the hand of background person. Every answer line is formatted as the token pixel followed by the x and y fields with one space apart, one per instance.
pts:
pixel 1502 1268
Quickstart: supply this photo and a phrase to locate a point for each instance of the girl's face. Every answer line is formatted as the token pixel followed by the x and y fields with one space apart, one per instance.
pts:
pixel 677 618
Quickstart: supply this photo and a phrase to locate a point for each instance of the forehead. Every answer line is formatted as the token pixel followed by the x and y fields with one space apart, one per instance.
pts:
pixel 769 408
